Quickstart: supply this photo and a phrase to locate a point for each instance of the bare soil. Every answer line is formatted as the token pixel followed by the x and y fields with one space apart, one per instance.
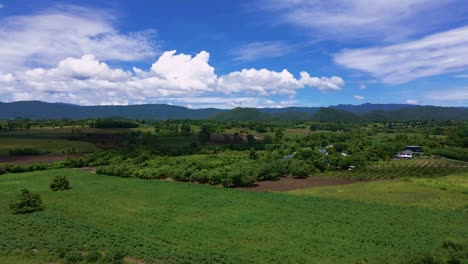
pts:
pixel 30 159
pixel 289 183
pixel 88 169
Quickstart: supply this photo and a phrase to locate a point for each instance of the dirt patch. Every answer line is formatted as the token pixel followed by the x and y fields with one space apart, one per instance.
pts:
pixel 30 159
pixel 88 169
pixel 133 260
pixel 289 183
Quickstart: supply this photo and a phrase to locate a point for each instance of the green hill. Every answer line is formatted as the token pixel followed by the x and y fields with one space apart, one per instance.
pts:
pixel 241 114
pixel 41 110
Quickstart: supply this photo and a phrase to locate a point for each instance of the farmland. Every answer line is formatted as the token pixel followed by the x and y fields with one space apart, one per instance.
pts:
pixel 54 146
pixel 186 191
pixel 152 221
pixel 448 192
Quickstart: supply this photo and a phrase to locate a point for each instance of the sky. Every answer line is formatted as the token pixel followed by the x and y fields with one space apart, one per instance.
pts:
pixel 235 53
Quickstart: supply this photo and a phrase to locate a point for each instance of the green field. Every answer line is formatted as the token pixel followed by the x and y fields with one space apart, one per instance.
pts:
pixel 181 222
pixel 450 192
pixel 405 168
pixel 55 146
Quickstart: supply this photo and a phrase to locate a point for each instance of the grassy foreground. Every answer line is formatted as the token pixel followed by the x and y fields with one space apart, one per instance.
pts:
pixel 449 192
pixel 180 222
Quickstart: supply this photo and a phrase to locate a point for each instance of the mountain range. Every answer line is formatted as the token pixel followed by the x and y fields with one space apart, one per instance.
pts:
pixel 41 110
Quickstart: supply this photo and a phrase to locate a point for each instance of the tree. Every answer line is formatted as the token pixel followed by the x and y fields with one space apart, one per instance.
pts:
pixel 186 129
pixel 253 154
pixel 267 139
pixel 60 183
pixel 250 139
pixel 279 135
pixel 27 203
pixel 205 133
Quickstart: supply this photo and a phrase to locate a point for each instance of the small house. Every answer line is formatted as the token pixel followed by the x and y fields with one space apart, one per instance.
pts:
pixel 405 154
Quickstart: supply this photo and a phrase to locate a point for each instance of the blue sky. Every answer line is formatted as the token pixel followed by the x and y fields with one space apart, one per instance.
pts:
pixel 258 53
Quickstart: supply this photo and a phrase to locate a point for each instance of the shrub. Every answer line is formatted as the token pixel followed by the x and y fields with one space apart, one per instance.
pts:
pixel 28 203
pixel 60 183
pixel 93 256
pixel 114 257
pixel 73 257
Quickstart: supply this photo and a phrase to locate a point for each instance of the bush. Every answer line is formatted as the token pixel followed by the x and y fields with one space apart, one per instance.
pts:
pixel 73 257
pixel 28 203
pixel 114 257
pixel 93 256
pixel 60 183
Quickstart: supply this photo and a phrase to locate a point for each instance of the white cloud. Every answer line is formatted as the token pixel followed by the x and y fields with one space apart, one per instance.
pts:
pixel 226 102
pixel 45 38
pixel 454 94
pixel 261 50
pixel 362 86
pixel 2 6
pixel 395 64
pixel 182 72
pixel 461 76
pixel 86 80
pixel 323 83
pixel 261 82
pixel 411 101
pixel 6 78
pixel 386 20
pixel 358 97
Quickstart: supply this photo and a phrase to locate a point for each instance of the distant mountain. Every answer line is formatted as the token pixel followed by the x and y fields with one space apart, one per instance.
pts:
pixel 430 113
pixel 241 114
pixel 336 115
pixel 365 108
pixel 40 110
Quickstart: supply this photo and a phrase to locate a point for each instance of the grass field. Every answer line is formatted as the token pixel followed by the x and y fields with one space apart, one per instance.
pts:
pixel 180 222
pixel 56 146
pixel 42 132
pixel 450 192
pixel 405 168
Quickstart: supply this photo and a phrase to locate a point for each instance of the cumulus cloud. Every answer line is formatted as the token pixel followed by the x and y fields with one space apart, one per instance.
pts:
pixel 435 54
pixel 358 97
pixel 45 38
pixel 323 83
pixel 6 78
pixel 259 81
pixel 261 50
pixel 387 20
pixel 87 80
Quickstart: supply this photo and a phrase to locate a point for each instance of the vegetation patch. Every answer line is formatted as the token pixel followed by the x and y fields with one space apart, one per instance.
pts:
pixel 157 221
pixel 60 183
pixel 27 203
pixel 448 192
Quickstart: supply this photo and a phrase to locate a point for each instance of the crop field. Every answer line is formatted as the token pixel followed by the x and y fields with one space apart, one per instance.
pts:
pixel 405 168
pixel 152 220
pixel 54 146
pixel 449 192
pixel 48 132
